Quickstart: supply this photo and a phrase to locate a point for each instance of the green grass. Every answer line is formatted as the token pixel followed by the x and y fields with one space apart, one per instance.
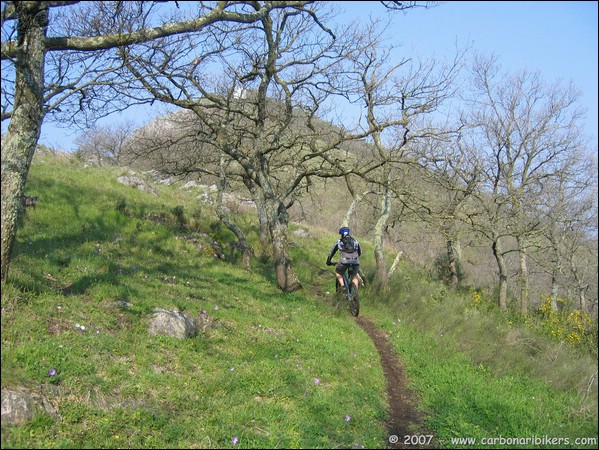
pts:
pixel 272 370
pixel 479 376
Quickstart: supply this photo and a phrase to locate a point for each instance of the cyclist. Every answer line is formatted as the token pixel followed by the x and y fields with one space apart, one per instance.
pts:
pixel 350 257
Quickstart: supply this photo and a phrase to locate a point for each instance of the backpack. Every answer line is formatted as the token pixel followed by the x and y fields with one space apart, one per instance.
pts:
pixel 348 244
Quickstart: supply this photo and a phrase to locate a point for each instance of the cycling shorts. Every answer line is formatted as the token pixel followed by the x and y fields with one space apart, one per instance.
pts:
pixel 352 269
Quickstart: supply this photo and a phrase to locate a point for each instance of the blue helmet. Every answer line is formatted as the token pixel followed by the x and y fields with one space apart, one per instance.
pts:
pixel 343 231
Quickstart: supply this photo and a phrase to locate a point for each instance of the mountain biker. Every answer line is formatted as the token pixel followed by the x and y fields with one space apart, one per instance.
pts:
pixel 350 257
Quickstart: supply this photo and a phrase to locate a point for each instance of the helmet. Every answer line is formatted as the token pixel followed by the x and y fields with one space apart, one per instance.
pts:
pixel 343 231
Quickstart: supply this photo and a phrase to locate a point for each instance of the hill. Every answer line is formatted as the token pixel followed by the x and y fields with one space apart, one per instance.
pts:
pixel 94 260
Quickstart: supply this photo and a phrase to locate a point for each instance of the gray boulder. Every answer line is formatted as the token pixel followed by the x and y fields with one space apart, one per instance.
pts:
pixel 177 324
pixel 20 405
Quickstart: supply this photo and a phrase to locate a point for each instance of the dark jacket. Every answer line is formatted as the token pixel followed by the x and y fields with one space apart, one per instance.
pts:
pixel 346 258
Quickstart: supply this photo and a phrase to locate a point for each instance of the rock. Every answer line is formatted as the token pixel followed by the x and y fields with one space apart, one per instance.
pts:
pixel 137 183
pixel 177 324
pixel 20 405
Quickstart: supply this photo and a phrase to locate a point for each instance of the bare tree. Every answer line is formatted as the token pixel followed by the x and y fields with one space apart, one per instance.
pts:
pixel 397 95
pixel 105 145
pixel 28 96
pixel 567 250
pixel 452 174
pixel 254 93
pixel 528 132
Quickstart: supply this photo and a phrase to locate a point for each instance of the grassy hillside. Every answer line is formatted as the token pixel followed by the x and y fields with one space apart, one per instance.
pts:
pixel 268 370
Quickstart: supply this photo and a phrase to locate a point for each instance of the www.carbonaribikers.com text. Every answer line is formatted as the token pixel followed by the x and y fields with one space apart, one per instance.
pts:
pixel 533 440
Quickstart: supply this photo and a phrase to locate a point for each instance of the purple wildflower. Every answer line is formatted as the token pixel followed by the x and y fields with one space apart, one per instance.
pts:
pixel 235 440
pixel 51 372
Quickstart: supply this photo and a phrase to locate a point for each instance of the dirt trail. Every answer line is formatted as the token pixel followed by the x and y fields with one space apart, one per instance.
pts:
pixel 404 420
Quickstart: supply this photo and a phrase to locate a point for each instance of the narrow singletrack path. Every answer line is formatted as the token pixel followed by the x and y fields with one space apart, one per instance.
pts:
pixel 404 421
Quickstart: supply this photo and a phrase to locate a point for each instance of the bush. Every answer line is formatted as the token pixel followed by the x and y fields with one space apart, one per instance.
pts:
pixel 566 324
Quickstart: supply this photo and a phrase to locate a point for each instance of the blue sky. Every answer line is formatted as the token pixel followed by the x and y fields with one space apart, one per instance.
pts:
pixel 557 39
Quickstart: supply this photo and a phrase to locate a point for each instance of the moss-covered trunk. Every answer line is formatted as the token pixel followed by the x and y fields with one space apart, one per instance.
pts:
pixel 23 132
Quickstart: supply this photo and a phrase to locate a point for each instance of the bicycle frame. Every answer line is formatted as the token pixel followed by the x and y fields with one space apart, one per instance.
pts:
pixel 350 294
pixel 346 282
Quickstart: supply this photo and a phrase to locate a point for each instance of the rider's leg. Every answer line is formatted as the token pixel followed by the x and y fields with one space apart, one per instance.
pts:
pixel 339 271
pixel 340 284
pixel 353 274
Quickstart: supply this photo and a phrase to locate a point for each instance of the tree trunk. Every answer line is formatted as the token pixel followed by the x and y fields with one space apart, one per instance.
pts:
pixel 554 291
pixel 453 258
pixel 349 214
pixel 395 263
pixel 379 229
pixel 347 220
pixel 23 131
pixel 224 217
pixel 243 244
pixel 278 223
pixel 274 225
pixel 524 289
pixel 497 252
pixel 556 270
pixel 258 198
pixel 582 299
pixel 581 288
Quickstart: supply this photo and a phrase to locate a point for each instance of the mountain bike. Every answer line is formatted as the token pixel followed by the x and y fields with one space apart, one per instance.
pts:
pixel 351 293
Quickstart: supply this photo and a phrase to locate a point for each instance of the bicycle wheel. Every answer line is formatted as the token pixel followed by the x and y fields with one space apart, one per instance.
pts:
pixel 354 301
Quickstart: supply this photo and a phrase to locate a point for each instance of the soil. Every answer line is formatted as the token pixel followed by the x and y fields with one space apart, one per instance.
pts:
pixel 405 424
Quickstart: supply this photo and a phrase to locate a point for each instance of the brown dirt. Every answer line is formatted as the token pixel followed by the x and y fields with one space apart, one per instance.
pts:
pixel 405 422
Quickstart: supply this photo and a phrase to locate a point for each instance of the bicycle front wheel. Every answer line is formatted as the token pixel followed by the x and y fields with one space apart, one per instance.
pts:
pixel 354 302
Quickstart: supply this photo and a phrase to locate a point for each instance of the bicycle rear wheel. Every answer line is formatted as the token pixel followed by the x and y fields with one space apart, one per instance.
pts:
pixel 354 301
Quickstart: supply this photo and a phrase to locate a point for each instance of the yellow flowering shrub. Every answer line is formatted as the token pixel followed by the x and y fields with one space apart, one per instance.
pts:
pixel 477 297
pixel 573 326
